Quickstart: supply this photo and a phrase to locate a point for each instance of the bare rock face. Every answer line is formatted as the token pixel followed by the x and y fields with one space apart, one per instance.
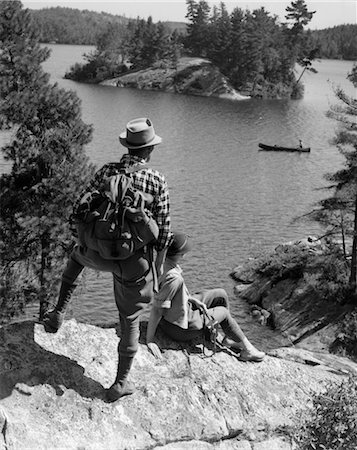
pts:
pixel 293 305
pixel 52 394
pixel 192 76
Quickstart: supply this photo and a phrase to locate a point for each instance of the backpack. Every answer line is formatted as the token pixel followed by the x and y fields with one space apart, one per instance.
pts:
pixel 115 221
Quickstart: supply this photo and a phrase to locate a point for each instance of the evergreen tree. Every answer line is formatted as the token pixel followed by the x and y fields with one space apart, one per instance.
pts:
pixel 340 210
pixel 49 165
pixel 301 44
pixel 149 44
pixel 220 32
pixel 346 141
pixel 238 71
pixel 198 30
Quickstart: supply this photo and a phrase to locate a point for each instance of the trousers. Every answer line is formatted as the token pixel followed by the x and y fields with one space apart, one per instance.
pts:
pixel 217 303
pixel 133 281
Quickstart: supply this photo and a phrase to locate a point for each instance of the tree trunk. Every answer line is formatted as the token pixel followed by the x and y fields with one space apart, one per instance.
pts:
pixel 343 234
pixel 41 276
pixel 302 73
pixel 354 251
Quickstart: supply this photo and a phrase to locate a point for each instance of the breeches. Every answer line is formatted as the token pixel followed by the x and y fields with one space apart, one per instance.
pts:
pixel 133 288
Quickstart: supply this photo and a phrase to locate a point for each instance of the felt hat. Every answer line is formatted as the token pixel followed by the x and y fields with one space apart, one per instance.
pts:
pixel 139 133
pixel 179 244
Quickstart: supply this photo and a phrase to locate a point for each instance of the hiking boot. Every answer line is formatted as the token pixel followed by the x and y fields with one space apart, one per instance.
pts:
pixel 251 354
pixel 118 390
pixel 53 320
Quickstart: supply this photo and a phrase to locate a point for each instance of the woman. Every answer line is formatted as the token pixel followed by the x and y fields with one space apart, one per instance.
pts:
pixel 183 316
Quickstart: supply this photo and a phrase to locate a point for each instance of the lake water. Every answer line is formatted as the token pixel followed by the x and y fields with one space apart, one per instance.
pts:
pixel 232 199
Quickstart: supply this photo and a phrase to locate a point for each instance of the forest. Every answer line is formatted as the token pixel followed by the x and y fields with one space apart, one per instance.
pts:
pixel 253 50
pixel 72 26
pixel 64 25
pixel 339 42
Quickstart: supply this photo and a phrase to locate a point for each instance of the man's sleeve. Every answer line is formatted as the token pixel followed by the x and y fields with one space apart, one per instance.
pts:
pixel 167 291
pixel 162 214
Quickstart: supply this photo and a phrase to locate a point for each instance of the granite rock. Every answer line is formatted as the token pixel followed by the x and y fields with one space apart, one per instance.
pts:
pixel 52 393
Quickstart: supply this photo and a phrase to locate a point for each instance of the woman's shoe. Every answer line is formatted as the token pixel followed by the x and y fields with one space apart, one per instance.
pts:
pixel 251 355
pixel 53 320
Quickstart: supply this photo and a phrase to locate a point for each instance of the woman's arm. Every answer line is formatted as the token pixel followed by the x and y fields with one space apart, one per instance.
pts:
pixel 198 303
pixel 159 261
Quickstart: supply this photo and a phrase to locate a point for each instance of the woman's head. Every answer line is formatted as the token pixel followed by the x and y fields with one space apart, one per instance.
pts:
pixel 180 244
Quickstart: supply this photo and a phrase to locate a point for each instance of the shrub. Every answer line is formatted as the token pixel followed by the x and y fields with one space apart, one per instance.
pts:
pixel 324 268
pixel 331 424
pixel 346 341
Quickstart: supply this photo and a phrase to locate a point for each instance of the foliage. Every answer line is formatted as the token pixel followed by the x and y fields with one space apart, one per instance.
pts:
pixel 345 343
pixel 252 49
pixel 322 266
pixel 82 27
pixel 339 211
pixel 48 164
pixel 148 43
pixel 331 422
pixel 198 30
pixel 255 51
pixel 72 26
pixel 339 42
pixel 140 44
pixel 98 68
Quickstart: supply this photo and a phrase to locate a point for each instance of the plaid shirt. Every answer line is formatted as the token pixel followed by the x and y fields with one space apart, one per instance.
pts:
pixel 146 180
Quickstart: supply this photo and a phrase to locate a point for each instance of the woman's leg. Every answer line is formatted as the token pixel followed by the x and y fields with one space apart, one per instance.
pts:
pixel 232 330
pixel 213 297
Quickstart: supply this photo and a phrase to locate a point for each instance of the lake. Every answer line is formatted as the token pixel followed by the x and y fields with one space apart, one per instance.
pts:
pixel 232 199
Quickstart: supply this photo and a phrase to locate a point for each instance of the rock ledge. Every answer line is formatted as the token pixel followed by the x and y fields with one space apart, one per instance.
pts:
pixel 52 394
pixel 193 76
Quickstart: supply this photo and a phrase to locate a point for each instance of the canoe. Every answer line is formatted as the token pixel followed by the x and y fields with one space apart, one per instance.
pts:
pixel 278 148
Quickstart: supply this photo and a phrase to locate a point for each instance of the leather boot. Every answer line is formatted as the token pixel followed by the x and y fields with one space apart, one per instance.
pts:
pixel 121 386
pixel 53 319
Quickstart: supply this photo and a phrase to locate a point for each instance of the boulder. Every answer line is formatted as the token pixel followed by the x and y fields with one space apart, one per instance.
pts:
pixel 52 393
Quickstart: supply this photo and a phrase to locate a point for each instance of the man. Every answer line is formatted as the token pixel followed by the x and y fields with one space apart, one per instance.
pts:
pixel 134 278
pixel 183 316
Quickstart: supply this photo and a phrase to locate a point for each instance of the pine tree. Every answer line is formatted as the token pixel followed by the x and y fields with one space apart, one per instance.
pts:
pixel 340 210
pixel 237 49
pixel 301 45
pixel 346 179
pixel 49 165
pixel 198 30
pixel 220 37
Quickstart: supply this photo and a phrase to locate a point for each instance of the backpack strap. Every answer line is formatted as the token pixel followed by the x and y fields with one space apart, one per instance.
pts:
pixel 134 168
pixel 116 195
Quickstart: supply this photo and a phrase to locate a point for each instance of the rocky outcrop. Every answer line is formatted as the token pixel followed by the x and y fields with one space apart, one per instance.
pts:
pixel 192 76
pixel 52 393
pixel 288 301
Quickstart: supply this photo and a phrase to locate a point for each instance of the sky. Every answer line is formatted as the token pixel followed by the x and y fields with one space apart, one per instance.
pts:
pixel 328 12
